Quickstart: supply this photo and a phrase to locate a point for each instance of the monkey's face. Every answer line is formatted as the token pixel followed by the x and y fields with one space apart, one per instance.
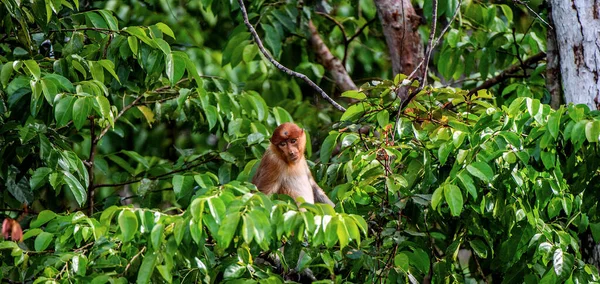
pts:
pixel 290 149
pixel 289 140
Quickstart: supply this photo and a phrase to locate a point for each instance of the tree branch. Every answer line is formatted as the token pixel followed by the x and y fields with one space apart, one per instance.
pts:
pixel 332 64
pixel 286 70
pixel 507 73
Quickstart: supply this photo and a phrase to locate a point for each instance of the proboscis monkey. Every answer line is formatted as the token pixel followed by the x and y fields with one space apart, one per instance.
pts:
pixel 283 168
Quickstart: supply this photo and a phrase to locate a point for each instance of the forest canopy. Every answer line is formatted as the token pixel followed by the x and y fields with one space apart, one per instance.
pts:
pixel 130 132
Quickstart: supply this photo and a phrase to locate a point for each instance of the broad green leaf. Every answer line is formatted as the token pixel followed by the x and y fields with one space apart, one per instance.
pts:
pixel 175 66
pixel 33 68
pixel 354 94
pixel 353 112
pixel 554 124
pixel 81 110
pixel 481 170
pixel 592 131
pixel 228 229
pixel 156 236
pixel 401 260
pixel 165 29
pixel 250 52
pixel 146 268
pixel 163 45
pixel 6 73
pixel 437 196
pixel 328 146
pixel 182 185
pixel 383 118
pixel 128 223
pixel 148 114
pixel 78 190
pixel 217 208
pixel 342 233
pixel 133 45
pixel 32 232
pixel 63 110
pixel 454 199
pixel 557 261
pixel 212 115
pixel 479 247
pixel 42 218
pixel 110 67
pixel 468 184
pixel 105 110
pixel 43 240
pixel 139 33
pixel 39 177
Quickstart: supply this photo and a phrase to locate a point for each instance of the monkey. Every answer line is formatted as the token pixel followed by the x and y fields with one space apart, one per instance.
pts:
pixel 283 168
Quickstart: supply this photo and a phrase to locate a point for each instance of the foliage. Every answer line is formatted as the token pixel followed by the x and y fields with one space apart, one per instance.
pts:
pixel 131 134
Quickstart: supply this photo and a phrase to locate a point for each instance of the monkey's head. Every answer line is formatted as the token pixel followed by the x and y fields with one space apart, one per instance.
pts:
pixel 289 141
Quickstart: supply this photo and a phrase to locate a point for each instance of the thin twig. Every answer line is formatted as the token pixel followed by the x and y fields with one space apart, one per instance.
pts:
pixel 184 168
pixel 507 73
pixel 90 165
pixel 133 259
pixel 286 70
pixel 355 35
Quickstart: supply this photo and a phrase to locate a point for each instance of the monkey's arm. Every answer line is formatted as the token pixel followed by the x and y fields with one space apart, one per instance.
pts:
pixel 318 193
pixel 265 177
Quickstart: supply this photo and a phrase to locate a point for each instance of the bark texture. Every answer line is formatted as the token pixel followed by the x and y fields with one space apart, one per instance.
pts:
pixel 400 24
pixel 552 67
pixel 577 27
pixel 330 62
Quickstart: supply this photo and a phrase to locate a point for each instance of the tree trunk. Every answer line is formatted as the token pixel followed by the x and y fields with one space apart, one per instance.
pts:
pixel 576 23
pixel 400 27
pixel 330 62
pixel 552 67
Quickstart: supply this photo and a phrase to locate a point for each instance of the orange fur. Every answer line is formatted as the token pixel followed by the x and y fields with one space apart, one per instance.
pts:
pixel 283 168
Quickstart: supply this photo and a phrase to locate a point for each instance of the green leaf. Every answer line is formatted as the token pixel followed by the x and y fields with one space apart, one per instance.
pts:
pixel 453 198
pixel 32 232
pixel 228 229
pixel 554 124
pixel 175 67
pixel 479 247
pixel 436 198
pixel 342 233
pixel 481 170
pixel 383 118
pixel 105 110
pixel 557 261
pixel 128 223
pixel 165 29
pixel 353 112
pixel 81 110
pixel 39 177
pixel 43 240
pixel 139 33
pixel 401 260
pixel 281 115
pixel 42 218
pixel 146 268
pixel 6 73
pixel 592 131
pixel 182 185
pixel 76 188
pixel 212 115
pixel 250 52
pixel 217 208
pixel 533 106
pixel 595 228
pixel 63 111
pixel 163 45
pixel 354 94
pixel 110 67
pixel 328 146
pixel 34 68
pixel 133 44
pixel 468 184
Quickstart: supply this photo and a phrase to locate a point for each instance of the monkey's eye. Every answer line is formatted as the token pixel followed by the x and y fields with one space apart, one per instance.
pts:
pixel 282 144
pixel 293 141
